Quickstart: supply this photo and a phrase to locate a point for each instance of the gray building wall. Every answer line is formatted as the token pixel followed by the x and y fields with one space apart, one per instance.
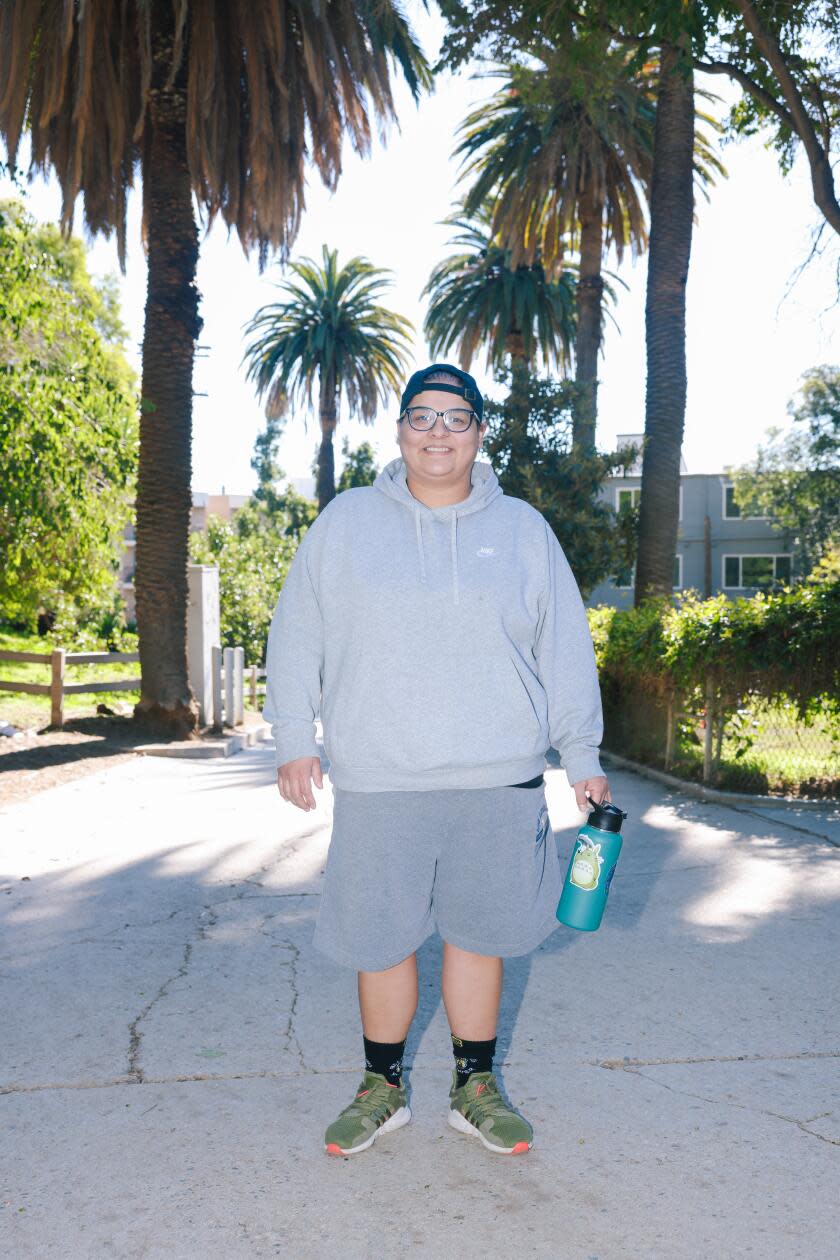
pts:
pixel 736 537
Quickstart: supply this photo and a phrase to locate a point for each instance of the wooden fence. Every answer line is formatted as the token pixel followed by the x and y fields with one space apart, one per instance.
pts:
pixel 57 688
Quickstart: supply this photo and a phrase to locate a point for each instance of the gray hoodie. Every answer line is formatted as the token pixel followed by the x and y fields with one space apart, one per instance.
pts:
pixel 443 647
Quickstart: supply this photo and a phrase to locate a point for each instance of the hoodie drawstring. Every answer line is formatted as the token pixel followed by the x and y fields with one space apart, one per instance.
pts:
pixel 455 556
pixel 419 531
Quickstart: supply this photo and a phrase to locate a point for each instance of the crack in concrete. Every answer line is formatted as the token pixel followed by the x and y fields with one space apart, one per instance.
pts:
pixel 188 1078
pixel 289 850
pixel 666 870
pixel 730 1102
pixel 108 936
pixel 621 1064
pixel 806 831
pixel 442 1067
pixel 135 1072
pixel 290 1032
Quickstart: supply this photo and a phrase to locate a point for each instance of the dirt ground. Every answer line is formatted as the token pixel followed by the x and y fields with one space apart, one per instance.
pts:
pixel 34 760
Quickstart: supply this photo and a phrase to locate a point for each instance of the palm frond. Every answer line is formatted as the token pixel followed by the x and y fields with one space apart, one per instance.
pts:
pixel 541 145
pixel 267 88
pixel 479 299
pixel 329 325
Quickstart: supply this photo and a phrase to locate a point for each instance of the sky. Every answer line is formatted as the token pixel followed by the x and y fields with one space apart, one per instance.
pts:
pixel 754 324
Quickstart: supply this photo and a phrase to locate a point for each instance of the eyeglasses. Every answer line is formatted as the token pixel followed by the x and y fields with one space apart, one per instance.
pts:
pixel 456 419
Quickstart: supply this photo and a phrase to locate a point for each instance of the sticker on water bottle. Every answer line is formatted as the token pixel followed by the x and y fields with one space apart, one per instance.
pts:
pixel 586 865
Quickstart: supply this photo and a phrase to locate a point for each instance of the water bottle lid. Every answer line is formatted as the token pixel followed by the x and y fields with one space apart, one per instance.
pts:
pixel 605 816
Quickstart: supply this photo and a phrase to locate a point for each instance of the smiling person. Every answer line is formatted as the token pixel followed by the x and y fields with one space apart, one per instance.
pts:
pixel 435 624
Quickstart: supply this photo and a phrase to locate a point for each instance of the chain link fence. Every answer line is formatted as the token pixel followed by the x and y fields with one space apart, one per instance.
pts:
pixel 761 746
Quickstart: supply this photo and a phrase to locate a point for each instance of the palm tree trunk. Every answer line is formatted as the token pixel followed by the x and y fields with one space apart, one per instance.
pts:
pixel 671 213
pixel 518 397
pixel 328 416
pixel 172 324
pixel 590 296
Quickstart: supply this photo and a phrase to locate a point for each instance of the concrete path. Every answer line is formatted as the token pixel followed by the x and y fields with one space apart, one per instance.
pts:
pixel 171 1047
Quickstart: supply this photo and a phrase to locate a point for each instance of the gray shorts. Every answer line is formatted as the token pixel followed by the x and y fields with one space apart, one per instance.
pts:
pixel 480 865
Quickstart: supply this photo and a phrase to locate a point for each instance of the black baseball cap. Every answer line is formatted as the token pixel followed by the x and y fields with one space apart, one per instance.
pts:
pixel 468 390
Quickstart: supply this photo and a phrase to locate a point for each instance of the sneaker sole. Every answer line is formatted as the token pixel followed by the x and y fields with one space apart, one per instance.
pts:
pixel 462 1124
pixel 396 1121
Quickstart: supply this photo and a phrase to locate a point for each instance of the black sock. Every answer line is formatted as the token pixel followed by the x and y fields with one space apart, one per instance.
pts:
pixel 472 1056
pixel 386 1058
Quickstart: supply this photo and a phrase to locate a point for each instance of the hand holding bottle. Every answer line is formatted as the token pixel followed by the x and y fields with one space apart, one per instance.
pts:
pixel 596 787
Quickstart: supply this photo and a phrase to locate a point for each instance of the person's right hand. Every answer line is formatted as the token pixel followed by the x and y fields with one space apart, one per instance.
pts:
pixel 294 779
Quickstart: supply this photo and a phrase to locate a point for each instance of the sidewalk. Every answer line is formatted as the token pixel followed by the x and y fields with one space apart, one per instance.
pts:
pixel 171 1046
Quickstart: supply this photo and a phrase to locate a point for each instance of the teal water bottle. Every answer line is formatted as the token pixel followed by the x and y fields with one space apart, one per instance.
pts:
pixel 591 868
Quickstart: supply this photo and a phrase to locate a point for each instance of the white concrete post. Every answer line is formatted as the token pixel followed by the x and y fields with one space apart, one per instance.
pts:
pixel 238 686
pixel 230 707
pixel 203 634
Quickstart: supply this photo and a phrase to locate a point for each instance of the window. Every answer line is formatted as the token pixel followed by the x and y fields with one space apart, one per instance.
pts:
pixel 625 579
pixel 628 497
pixel 783 568
pixel 755 572
pixel 731 511
pixel 730 507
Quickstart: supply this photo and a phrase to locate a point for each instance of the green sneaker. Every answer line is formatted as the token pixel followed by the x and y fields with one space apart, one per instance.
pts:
pixel 478 1108
pixel 377 1108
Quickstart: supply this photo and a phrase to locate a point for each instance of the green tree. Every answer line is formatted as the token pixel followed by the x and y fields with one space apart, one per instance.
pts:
pixel 225 103
pixel 265 465
pixel 531 449
pixel 331 330
pixel 68 429
pixel 563 154
pixel 794 478
pixel 359 466
pixel 253 552
pixel 295 510
pixel 477 300
pixel 785 58
pixel 654 43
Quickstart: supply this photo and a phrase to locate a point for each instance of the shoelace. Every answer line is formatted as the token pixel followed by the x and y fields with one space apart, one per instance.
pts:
pixel 488 1103
pixel 374 1103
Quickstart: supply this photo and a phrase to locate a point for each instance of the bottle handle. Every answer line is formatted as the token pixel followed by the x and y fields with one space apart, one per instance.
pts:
pixel 595 804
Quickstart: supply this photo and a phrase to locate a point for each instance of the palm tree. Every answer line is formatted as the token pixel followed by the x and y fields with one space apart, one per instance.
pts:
pixel 217 101
pixel 478 299
pixel 672 221
pixel 566 168
pixel 329 329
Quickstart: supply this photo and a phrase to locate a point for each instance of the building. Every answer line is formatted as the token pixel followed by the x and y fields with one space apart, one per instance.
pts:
pixel 718 549
pixel 304 486
pixel 203 507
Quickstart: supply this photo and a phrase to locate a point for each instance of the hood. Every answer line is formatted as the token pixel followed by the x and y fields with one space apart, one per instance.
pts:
pixel 484 489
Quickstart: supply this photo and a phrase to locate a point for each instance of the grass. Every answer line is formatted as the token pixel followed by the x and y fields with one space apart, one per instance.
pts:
pixel 776 752
pixel 26 711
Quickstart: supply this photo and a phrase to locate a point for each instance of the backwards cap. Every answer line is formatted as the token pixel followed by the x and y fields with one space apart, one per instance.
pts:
pixel 468 390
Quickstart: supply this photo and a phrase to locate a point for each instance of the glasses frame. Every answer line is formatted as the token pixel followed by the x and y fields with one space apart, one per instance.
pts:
pixel 407 415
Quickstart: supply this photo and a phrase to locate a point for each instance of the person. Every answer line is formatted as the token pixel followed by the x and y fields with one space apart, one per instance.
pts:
pixel 434 623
